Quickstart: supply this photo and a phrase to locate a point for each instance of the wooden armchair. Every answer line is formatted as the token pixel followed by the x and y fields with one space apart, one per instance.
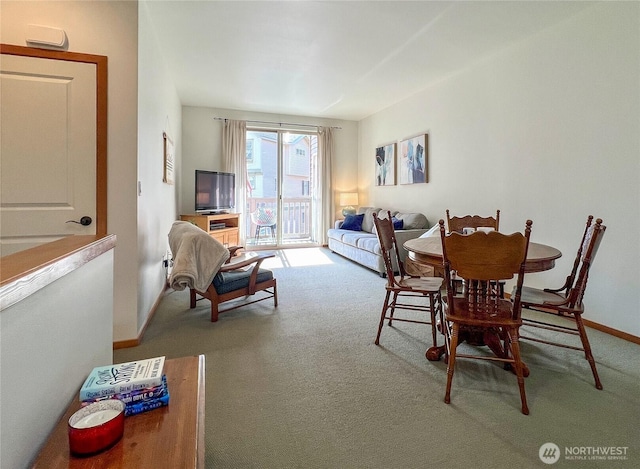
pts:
pixel 237 278
pixel 207 268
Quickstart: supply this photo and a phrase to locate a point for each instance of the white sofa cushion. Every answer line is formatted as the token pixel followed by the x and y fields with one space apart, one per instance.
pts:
pixel 412 221
pixel 367 222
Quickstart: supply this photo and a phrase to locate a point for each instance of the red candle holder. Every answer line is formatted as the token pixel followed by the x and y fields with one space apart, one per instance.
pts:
pixel 96 427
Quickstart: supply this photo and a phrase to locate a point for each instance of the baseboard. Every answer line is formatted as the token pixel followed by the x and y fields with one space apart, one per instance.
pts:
pixel 127 343
pixel 606 329
pixel 135 342
pixel 612 331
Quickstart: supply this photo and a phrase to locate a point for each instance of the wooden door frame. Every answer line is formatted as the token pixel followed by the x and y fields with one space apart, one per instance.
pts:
pixel 100 62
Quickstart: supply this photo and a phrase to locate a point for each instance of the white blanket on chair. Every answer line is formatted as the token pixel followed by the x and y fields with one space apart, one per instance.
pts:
pixel 197 257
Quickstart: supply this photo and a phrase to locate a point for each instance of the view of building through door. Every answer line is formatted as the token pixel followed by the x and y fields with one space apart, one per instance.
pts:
pixel 280 187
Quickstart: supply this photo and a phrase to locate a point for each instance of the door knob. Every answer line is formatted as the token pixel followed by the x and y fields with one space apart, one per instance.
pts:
pixel 84 221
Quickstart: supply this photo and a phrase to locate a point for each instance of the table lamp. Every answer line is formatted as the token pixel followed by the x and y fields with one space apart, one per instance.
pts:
pixel 348 200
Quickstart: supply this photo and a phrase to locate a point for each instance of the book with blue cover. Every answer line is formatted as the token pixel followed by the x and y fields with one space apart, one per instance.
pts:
pixel 140 401
pixel 150 403
pixel 107 381
pixel 134 396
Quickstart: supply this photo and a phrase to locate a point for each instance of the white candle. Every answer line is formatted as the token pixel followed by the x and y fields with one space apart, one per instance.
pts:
pixel 96 418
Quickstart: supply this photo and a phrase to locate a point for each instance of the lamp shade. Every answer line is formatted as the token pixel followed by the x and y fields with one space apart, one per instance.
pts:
pixel 348 198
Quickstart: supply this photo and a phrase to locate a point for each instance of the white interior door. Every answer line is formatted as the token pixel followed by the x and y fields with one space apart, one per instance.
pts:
pixel 47 150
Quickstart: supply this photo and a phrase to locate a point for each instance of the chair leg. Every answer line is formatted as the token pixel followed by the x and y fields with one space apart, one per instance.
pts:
pixel 437 326
pixel 587 349
pixel 453 342
pixel 384 310
pixel 432 310
pixel 393 307
pixel 192 298
pixel 214 311
pixel 275 295
pixel 515 349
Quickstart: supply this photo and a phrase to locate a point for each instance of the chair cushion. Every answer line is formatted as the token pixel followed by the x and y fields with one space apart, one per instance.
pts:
pixel 232 280
pixel 353 222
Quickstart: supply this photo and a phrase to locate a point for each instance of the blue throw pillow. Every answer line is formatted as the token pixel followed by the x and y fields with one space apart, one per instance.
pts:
pixel 397 224
pixel 353 222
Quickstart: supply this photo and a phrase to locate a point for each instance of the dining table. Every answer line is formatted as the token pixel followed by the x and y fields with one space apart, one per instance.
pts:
pixel 427 252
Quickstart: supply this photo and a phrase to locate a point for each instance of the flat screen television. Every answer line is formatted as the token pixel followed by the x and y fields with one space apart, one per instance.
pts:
pixel 215 191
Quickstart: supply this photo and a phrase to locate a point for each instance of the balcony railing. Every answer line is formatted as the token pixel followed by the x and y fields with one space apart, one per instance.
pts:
pixel 295 220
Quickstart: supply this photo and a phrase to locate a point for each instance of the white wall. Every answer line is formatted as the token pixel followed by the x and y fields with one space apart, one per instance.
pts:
pixel 47 352
pixel 107 28
pixel 142 104
pixel 202 146
pixel 159 111
pixel 548 129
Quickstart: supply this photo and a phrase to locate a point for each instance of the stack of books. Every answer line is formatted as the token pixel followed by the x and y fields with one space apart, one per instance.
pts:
pixel 140 384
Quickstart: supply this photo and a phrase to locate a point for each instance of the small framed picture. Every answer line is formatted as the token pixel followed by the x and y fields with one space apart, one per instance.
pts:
pixel 168 159
pixel 412 166
pixel 385 169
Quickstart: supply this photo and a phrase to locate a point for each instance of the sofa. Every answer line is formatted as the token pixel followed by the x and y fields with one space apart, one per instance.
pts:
pixel 362 246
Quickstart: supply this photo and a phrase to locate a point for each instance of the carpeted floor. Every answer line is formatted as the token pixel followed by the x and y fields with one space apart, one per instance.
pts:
pixel 303 385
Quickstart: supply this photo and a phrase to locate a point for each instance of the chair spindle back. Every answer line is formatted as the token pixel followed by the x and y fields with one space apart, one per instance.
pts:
pixel 388 245
pixel 483 259
pixel 458 224
pixel 589 247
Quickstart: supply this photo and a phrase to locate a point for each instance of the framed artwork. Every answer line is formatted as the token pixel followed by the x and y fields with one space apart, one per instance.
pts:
pixel 169 156
pixel 386 165
pixel 412 168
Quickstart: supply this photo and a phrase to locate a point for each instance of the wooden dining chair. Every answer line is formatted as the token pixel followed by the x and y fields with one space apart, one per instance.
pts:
pixel 458 224
pixel 482 259
pixel 400 286
pixel 565 303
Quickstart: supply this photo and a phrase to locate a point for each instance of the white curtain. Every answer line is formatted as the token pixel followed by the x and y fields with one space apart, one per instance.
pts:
pixel 234 160
pixel 323 186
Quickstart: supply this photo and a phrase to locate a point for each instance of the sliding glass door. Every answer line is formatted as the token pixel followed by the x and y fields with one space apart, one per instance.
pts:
pixel 280 206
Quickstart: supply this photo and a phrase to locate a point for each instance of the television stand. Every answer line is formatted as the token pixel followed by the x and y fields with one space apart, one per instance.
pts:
pixel 228 236
pixel 214 212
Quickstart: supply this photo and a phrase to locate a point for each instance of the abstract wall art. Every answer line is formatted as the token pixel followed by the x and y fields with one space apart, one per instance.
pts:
pixel 412 166
pixel 385 171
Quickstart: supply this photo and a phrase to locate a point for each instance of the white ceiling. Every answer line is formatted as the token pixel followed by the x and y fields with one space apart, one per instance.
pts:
pixel 333 59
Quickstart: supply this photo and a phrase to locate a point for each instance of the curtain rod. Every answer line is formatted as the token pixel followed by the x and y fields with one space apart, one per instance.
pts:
pixel 278 123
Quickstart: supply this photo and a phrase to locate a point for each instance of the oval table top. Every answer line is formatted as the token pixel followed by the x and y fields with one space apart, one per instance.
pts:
pixel 540 257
